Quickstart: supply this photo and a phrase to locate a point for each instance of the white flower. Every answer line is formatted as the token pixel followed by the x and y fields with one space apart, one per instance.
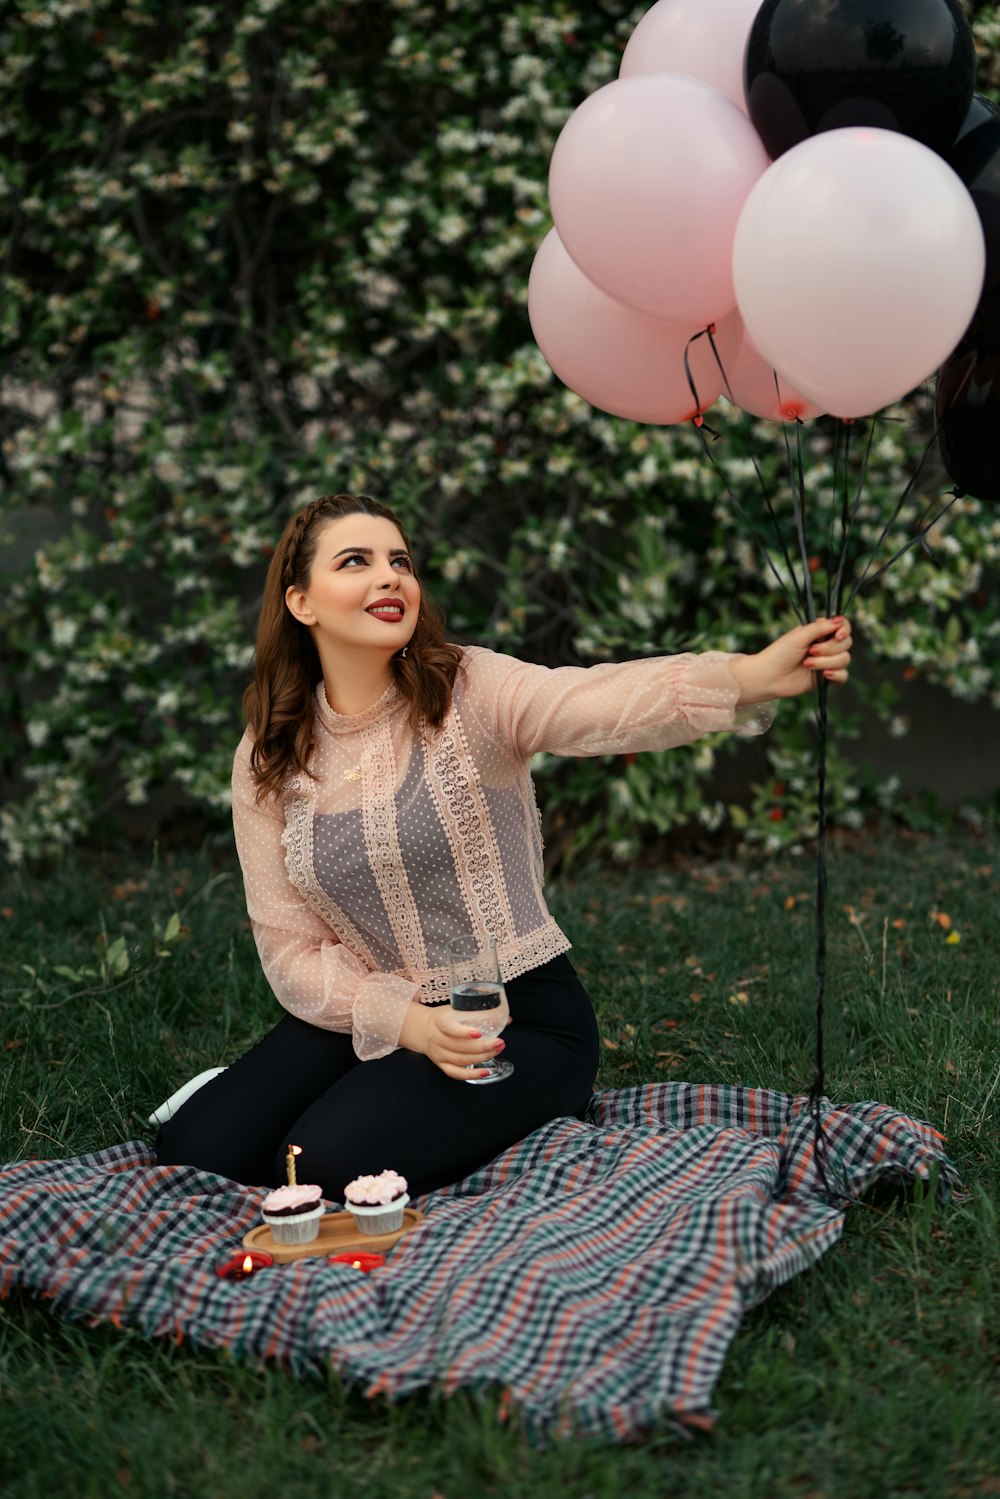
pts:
pixel 64 630
pixel 167 469
pixel 230 477
pixel 37 731
pixel 451 227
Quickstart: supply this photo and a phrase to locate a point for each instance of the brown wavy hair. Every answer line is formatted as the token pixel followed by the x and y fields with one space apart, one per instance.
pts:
pixel 278 704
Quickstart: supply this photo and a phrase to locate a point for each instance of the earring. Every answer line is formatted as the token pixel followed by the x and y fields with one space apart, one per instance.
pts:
pixel 404 653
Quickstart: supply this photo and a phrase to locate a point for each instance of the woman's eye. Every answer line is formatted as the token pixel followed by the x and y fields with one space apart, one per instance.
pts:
pixel 406 563
pixel 355 557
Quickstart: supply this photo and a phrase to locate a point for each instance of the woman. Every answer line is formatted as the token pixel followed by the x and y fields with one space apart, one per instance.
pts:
pixel 382 805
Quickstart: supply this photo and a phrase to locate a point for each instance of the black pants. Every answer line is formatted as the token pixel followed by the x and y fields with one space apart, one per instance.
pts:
pixel 304 1085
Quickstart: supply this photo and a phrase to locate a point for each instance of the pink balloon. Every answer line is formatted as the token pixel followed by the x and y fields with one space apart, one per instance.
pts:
pixel 620 360
pixel 646 183
pixel 858 264
pixel 703 38
pixel 757 388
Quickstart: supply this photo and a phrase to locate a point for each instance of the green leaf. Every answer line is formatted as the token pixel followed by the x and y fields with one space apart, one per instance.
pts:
pixel 117 959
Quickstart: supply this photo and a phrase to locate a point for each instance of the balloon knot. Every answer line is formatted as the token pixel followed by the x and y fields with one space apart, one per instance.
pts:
pixel 699 421
pixel 711 328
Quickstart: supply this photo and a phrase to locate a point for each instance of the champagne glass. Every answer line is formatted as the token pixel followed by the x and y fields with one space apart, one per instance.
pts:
pixel 477 997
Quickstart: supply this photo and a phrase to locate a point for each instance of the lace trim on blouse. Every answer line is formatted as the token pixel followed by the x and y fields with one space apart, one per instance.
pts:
pixel 518 956
pixel 461 805
pixel 350 723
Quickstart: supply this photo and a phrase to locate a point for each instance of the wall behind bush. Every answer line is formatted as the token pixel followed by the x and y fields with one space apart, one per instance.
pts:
pixel 264 249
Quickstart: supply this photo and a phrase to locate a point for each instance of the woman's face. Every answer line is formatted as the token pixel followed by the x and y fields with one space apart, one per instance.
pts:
pixel 362 592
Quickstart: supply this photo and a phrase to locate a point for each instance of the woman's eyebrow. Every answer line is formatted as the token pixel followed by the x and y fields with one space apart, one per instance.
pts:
pixel 369 552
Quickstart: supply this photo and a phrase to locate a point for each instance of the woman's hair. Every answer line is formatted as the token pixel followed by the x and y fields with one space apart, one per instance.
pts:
pixel 278 704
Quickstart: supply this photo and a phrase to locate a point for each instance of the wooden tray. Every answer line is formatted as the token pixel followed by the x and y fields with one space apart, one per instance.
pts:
pixel 337 1235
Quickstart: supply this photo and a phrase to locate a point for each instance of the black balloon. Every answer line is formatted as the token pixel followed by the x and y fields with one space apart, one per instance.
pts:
pixel 976 159
pixel 980 110
pixel 814 65
pixel 968 413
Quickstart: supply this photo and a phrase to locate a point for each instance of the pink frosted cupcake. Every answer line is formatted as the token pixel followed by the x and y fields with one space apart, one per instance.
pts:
pixel 376 1203
pixel 293 1213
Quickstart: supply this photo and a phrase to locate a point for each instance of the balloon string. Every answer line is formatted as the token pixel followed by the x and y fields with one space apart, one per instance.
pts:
pixel 919 540
pixel 799 511
pixel 797 601
pixel 768 502
pixel 838 586
pixel 889 524
pixel 835 494
pixel 797 484
pixel 816 1092
pixel 841 473
pixel 848 518
pixel 848 428
pixel 818 1089
pixel 761 545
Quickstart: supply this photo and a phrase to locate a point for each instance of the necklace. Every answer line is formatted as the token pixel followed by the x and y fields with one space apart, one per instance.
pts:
pixel 353 774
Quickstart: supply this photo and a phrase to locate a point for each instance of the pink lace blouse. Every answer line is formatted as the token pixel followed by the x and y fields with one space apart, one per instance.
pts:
pixel 356 880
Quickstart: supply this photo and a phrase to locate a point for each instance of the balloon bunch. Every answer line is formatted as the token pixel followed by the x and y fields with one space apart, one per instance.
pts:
pixel 797 202
pixel 813 181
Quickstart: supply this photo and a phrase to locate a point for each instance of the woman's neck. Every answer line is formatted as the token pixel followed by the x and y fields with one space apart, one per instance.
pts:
pixel 354 681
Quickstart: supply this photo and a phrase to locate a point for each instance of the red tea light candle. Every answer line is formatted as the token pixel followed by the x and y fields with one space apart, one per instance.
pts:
pixel 359 1261
pixel 243 1266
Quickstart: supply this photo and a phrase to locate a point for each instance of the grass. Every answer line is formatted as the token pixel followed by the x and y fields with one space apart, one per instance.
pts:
pixel 873 1374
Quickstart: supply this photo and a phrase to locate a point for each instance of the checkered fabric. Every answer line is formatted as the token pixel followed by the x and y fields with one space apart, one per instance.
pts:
pixel 596 1272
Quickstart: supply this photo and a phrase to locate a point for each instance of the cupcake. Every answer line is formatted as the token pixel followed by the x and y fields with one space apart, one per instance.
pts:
pixel 293 1213
pixel 376 1203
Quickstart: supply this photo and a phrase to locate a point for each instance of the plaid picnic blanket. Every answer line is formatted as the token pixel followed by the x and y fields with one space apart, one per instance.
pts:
pixel 596 1272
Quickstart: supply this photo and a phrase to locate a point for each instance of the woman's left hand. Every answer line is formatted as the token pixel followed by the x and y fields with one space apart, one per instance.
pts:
pixel 788 666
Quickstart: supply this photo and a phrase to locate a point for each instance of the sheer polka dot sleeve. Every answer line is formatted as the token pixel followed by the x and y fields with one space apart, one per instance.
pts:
pixel 612 708
pixel 313 975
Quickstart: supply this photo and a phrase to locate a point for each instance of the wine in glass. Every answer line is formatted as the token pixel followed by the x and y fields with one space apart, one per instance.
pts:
pixel 478 999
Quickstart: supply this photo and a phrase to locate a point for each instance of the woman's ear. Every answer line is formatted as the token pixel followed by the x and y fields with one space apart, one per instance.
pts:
pixel 295 600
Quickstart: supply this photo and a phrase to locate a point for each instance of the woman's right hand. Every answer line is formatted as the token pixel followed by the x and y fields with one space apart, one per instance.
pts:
pixel 434 1031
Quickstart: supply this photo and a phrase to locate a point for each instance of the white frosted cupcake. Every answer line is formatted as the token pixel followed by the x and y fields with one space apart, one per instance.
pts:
pixel 293 1213
pixel 376 1203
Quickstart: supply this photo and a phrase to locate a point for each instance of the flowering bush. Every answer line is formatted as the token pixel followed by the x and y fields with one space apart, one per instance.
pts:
pixel 264 249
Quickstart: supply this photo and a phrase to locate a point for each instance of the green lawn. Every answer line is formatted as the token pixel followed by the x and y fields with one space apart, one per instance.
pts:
pixel 874 1374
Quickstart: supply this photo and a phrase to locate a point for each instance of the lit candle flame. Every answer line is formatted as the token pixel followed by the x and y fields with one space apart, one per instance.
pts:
pixel 247 1264
pixel 357 1264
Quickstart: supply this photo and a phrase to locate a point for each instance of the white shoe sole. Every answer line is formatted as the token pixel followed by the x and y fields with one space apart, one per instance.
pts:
pixel 176 1100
